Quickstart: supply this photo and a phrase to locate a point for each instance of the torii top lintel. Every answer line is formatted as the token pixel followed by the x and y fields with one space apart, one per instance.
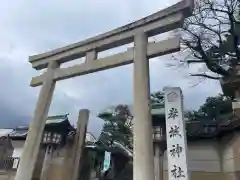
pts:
pixel 152 25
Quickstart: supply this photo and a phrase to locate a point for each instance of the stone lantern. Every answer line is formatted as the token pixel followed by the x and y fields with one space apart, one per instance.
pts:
pixel 159 138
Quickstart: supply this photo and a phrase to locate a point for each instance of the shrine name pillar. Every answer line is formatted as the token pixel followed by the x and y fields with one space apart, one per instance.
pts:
pixel 32 143
pixel 143 161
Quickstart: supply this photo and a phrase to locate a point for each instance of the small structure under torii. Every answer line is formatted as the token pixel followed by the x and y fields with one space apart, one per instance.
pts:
pixel 137 32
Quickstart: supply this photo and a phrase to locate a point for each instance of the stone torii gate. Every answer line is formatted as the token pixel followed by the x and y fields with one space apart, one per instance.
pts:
pixel 137 32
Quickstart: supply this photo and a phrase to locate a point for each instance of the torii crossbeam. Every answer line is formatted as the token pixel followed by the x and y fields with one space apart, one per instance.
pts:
pixel 137 32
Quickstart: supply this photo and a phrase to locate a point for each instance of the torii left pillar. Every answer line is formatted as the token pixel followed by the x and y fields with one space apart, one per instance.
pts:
pixel 32 143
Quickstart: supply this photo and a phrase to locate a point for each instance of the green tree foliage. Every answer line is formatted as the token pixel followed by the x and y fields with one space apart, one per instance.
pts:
pixel 212 37
pixel 157 97
pixel 116 127
pixel 191 115
pixel 212 109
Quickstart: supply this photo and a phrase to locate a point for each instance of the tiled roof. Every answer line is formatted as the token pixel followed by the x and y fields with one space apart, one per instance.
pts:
pixel 157 109
pixel 19 132
pixel 212 129
pixel 22 131
pixel 56 119
pixel 116 148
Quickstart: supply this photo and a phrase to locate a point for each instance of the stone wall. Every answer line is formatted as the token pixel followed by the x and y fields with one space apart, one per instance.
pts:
pixel 203 156
pixel 204 161
pixel 207 159
pixel 233 155
pixel 213 159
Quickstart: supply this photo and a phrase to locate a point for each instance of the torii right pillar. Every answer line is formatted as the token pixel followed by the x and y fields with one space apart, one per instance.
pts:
pixel 143 168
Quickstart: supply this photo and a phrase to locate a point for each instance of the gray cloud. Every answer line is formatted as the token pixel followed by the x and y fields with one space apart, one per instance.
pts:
pixel 29 27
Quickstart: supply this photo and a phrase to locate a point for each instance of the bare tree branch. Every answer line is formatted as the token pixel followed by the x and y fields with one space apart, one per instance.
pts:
pixel 206 76
pixel 195 61
pixel 212 36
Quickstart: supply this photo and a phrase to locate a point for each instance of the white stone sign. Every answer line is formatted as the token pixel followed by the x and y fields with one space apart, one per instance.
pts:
pixel 176 134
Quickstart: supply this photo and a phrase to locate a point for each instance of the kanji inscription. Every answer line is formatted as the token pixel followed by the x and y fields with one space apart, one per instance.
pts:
pixel 177 172
pixel 173 113
pixel 176 150
pixel 174 131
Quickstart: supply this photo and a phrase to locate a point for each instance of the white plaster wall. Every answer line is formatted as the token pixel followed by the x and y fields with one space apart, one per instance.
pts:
pixel 17 152
pixel 202 157
pixel 18 148
pixel 4 132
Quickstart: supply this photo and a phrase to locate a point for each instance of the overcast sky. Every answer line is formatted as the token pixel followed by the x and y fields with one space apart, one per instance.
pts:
pixel 31 27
